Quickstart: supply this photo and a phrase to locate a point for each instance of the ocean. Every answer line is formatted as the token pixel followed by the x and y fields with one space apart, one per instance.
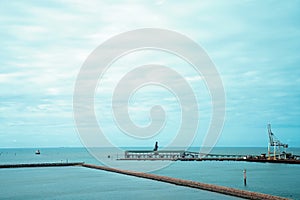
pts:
pixel 82 183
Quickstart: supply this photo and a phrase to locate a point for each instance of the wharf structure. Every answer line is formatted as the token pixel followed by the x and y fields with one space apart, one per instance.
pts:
pixel 173 155
pixel 276 155
pixel 159 155
pixel 195 156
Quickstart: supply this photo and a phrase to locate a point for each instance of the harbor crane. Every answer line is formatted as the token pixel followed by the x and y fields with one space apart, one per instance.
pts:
pixel 279 149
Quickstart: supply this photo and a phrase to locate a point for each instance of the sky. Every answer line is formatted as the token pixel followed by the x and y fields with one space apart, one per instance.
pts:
pixel 254 45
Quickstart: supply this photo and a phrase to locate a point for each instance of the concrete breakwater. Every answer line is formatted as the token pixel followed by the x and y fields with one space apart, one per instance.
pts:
pixel 42 165
pixel 193 184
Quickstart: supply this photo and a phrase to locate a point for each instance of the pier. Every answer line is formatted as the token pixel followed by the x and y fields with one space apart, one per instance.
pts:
pixel 277 155
pixel 178 155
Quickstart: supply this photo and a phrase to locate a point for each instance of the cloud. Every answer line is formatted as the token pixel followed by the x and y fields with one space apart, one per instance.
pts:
pixel 44 44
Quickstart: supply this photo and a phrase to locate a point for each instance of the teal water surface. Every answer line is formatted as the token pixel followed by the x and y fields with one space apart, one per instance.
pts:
pixel 83 183
pixel 80 183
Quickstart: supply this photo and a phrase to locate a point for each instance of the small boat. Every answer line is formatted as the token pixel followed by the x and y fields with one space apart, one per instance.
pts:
pixel 37 152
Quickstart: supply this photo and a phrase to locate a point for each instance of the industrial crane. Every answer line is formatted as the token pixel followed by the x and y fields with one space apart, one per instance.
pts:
pixel 279 148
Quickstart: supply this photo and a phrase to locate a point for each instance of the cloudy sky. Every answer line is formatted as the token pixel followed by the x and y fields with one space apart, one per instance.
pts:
pixel 253 44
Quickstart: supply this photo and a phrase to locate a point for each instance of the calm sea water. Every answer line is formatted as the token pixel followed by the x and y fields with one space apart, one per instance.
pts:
pixel 80 183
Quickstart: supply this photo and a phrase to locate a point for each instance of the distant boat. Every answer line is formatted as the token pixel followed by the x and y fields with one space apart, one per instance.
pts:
pixel 37 152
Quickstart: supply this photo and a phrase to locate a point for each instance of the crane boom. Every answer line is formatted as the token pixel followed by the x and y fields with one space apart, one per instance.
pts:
pixel 273 139
pixel 275 142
